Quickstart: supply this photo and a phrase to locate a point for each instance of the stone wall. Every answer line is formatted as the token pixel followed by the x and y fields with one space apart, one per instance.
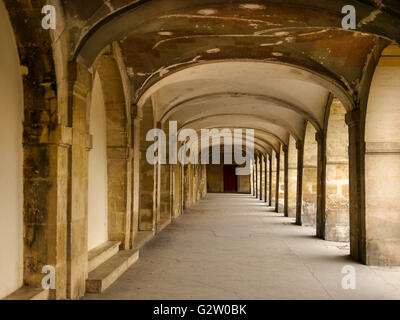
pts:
pixel 281 206
pixel 215 179
pixel 309 205
pixel 292 178
pixel 337 226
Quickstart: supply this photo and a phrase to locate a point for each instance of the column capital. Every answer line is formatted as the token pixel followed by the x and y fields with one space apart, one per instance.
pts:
pixel 353 117
pixel 285 148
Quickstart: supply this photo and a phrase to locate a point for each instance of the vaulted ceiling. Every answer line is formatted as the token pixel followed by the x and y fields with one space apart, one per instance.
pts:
pixel 267 65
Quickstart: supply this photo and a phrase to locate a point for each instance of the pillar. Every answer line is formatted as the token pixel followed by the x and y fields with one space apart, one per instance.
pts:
pixel 148 175
pixel 47 152
pixel 321 181
pixel 310 176
pixel 286 181
pixel 292 178
pixel 299 189
pixel 356 174
pixel 266 178
pixel 256 183
pixel 254 177
pixel 77 217
pixel 270 180
pixel 165 181
pixel 261 177
pixel 281 185
pixel 337 176
pixel 277 181
pixel 273 189
pixel 137 124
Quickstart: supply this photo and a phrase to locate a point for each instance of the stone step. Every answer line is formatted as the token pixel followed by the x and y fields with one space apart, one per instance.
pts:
pixel 163 224
pixel 142 238
pixel 106 274
pixel 29 293
pixel 102 253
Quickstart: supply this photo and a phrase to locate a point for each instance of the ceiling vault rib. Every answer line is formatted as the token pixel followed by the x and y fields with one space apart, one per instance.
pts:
pixel 279 102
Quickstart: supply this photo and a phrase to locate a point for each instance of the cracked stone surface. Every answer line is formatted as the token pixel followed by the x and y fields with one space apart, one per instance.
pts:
pixel 234 247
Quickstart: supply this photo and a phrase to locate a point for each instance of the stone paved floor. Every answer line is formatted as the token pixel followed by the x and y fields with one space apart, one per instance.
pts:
pixel 234 247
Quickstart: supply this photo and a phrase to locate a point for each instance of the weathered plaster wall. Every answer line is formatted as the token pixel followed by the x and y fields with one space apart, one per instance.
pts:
pixel 244 184
pixel 97 174
pixel 215 178
pixel 382 166
pixel 11 185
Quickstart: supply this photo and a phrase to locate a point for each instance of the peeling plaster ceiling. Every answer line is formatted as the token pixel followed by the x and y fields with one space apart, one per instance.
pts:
pixel 267 65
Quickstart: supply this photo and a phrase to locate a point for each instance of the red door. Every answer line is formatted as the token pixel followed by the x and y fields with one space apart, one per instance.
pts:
pixel 230 181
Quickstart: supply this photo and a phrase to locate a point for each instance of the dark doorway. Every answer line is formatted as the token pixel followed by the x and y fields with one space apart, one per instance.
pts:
pixel 230 179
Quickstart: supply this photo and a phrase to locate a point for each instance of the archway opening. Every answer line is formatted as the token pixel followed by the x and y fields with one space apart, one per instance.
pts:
pixel 97 169
pixel 381 225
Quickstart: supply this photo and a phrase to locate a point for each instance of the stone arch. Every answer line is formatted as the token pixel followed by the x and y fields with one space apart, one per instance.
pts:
pixel 97 168
pixel 378 239
pixel 118 144
pixel 47 142
pixel 11 162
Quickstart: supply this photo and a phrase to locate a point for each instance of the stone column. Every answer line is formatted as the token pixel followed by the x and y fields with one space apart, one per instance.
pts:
pixel 261 177
pixel 148 178
pixel 165 208
pixel 266 178
pixel 278 160
pixel 254 177
pixel 299 193
pixel 356 175
pixel 292 178
pixel 270 181
pixel 137 124
pixel 182 187
pixel 310 177
pixel 47 150
pixel 321 183
pixel 337 176
pixel 281 184
pixel 77 241
pixel 177 192
pixel 119 198
pixel 286 181
pixel 256 184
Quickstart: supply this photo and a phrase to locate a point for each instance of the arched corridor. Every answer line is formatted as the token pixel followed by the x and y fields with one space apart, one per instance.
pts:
pixel 199 141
